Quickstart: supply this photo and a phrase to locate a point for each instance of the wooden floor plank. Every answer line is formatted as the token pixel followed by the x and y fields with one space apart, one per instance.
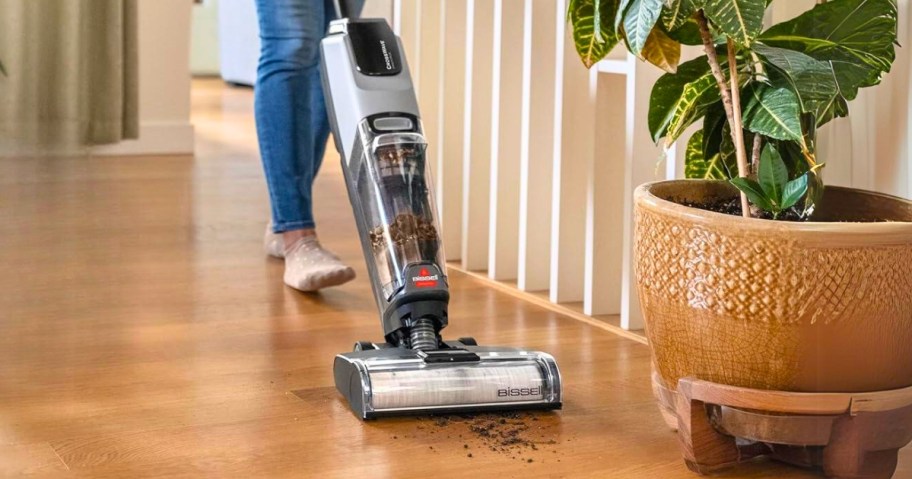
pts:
pixel 17 460
pixel 145 334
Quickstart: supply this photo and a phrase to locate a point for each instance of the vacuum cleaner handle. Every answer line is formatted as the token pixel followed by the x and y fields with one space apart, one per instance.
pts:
pixel 346 9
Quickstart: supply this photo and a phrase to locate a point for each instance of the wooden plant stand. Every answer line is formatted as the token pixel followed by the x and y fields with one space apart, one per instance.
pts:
pixel 848 435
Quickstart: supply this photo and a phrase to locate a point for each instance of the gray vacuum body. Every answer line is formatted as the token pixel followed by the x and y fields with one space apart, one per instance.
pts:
pixel 377 129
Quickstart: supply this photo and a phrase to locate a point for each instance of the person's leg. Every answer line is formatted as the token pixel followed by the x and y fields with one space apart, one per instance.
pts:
pixel 290 32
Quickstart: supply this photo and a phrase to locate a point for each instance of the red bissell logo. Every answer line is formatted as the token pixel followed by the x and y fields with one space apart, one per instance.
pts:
pixel 425 279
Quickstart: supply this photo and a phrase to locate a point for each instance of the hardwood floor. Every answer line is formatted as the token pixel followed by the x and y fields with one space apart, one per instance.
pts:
pixel 146 334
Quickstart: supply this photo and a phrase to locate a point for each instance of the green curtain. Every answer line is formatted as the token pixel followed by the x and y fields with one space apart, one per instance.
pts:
pixel 71 72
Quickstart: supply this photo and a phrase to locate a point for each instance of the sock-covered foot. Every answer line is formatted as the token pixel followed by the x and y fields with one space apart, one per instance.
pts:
pixel 309 267
pixel 273 243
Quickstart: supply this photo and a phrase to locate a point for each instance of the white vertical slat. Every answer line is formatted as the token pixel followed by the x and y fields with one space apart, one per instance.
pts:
pixel 477 142
pixel 640 162
pixel 605 195
pixel 574 147
pixel 506 111
pixel 537 144
pixel 408 27
pixel 452 100
pixel 397 17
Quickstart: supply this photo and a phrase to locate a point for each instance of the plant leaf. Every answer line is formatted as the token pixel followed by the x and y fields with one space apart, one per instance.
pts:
pixel 662 51
pixel 590 46
pixel 856 36
pixel 696 98
pixel 639 18
pixel 741 20
pixel 794 190
pixel 619 15
pixel 699 167
pixel 727 149
pixel 677 100
pixel 772 111
pixel 814 192
pixel 713 124
pixel 753 191
pixel 773 174
pixel 678 12
pixel 811 79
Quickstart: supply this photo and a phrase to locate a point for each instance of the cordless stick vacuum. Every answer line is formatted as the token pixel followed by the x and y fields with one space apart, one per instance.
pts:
pixel 374 116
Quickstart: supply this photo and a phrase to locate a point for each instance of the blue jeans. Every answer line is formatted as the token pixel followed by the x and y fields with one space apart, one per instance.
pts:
pixel 292 124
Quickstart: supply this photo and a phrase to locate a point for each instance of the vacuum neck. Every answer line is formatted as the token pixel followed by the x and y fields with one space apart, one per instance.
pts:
pixel 346 9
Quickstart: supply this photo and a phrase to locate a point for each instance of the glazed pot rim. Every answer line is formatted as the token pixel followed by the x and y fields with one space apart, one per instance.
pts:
pixel 644 197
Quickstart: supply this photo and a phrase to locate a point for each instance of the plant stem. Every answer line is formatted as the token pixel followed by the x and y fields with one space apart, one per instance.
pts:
pixel 755 155
pixel 737 127
pixel 728 101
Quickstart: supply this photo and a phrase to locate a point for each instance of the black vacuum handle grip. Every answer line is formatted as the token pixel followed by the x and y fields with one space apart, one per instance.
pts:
pixel 346 8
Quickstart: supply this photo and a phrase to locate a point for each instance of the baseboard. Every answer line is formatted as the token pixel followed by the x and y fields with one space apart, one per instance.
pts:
pixel 164 138
pixel 155 138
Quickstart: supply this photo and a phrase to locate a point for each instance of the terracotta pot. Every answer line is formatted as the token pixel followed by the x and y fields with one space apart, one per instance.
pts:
pixel 823 306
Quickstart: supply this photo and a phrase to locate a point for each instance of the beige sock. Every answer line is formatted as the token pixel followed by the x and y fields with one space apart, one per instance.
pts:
pixel 273 243
pixel 309 267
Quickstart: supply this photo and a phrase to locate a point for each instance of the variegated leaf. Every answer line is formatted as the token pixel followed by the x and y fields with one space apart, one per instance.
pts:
pixel 662 51
pixel 639 19
pixel 585 18
pixel 741 20
pixel 697 166
pixel 772 111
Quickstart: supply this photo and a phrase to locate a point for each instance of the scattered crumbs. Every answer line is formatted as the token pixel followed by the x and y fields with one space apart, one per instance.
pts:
pixel 395 437
pixel 508 433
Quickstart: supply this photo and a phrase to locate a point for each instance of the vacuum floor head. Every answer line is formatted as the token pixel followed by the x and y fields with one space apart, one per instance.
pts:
pixel 396 381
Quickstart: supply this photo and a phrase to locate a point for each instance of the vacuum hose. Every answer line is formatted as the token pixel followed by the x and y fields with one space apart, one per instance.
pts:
pixel 423 335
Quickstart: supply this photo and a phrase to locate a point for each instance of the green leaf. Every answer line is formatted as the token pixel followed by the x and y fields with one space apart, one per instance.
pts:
pixel 794 190
pixel 590 46
pixel 687 34
pixel 741 20
pixel 713 125
pixel 811 79
pixel 856 36
pixel 699 167
pixel 727 149
pixel 815 191
pixel 619 15
pixel 753 191
pixel 677 13
pixel 662 51
pixel 772 111
pixel 679 99
pixel 772 174
pixel 639 18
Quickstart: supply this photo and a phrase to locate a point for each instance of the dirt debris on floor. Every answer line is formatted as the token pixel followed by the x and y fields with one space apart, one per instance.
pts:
pixel 511 434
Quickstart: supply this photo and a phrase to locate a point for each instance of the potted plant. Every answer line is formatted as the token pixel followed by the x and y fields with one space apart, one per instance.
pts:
pixel 751 273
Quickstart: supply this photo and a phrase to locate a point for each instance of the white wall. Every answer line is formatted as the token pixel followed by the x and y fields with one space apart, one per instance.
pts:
pixel 164 81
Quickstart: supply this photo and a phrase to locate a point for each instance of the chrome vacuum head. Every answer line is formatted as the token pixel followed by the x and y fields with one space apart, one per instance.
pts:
pixel 392 381
pixel 377 129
